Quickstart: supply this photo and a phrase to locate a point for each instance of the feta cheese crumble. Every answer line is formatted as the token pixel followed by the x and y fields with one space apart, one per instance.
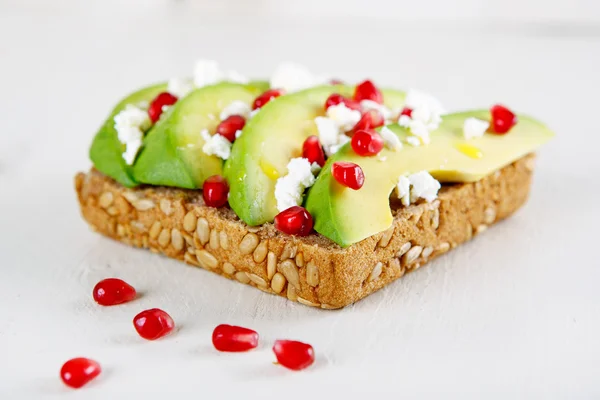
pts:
pixel 413 141
pixel 345 118
pixel 474 128
pixel 329 135
pixel 216 145
pixel 290 188
pixel 390 139
pixel 293 77
pixel 236 107
pixel 130 125
pixel 208 72
pixel 420 185
pixel 426 115
pixel 180 87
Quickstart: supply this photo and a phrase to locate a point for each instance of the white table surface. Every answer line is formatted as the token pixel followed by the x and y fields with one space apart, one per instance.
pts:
pixel 513 314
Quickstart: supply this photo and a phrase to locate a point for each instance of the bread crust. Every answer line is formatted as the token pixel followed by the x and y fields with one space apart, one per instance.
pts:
pixel 311 270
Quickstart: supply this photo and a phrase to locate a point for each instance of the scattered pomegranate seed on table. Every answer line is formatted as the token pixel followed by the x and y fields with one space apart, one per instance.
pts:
pixel 370 119
pixel 215 191
pixel 312 150
pixel 294 221
pixel 348 174
pixel 156 106
pixel 267 96
pixel 406 111
pixel 230 125
pixel 113 291
pixel 502 119
pixel 78 371
pixel 367 142
pixel 366 90
pixel 335 81
pixel 153 324
pixel 294 355
pixel 234 338
pixel 336 98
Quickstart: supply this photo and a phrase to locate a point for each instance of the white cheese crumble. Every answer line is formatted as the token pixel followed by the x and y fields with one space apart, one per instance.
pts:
pixel 238 133
pixel 390 139
pixel 329 135
pixel 290 188
pixel 293 77
pixel 236 107
pixel 130 125
pixel 368 105
pixel 413 141
pixel 473 128
pixel 426 115
pixel 216 145
pixel 420 185
pixel 180 87
pixel 208 72
pixel 345 118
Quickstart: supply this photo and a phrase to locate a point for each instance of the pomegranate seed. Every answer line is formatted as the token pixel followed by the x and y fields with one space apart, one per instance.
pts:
pixel 78 371
pixel 153 324
pixel 230 125
pixel 112 291
pixel 367 91
pixel 367 142
pixel 348 174
pixel 234 338
pixel 335 81
pixel 156 106
pixel 267 96
pixel 294 221
pixel 502 119
pixel 407 111
pixel 370 120
pixel 215 191
pixel 294 355
pixel 337 98
pixel 312 150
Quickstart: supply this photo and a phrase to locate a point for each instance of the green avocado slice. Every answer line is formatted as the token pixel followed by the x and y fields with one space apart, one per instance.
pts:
pixel 106 151
pixel 339 212
pixel 273 137
pixel 172 154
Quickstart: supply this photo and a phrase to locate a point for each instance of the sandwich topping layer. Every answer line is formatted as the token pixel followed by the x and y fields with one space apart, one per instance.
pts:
pixel 303 150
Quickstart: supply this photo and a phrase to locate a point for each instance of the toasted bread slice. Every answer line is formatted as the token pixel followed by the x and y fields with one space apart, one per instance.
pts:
pixel 311 270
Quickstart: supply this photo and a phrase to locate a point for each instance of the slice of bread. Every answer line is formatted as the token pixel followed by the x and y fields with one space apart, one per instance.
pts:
pixel 311 270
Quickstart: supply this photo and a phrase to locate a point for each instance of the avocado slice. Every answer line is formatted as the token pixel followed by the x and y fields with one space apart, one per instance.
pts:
pixel 106 151
pixel 270 140
pixel 172 154
pixel 339 212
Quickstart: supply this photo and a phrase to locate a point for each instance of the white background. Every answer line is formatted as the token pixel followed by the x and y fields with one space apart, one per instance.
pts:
pixel 513 314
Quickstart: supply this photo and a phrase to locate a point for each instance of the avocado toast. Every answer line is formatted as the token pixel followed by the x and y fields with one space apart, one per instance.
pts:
pixel 315 190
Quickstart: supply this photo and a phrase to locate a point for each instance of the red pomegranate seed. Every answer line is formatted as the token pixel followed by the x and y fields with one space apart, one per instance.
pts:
pixel 294 355
pixel 335 81
pixel 215 191
pixel 230 125
pixel 336 98
pixel 156 106
pixel 367 142
pixel 348 174
pixel 267 96
pixel 234 338
pixel 407 111
pixel 370 120
pixel 153 324
pixel 312 150
pixel 112 291
pixel 78 371
pixel 294 221
pixel 367 91
pixel 502 119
